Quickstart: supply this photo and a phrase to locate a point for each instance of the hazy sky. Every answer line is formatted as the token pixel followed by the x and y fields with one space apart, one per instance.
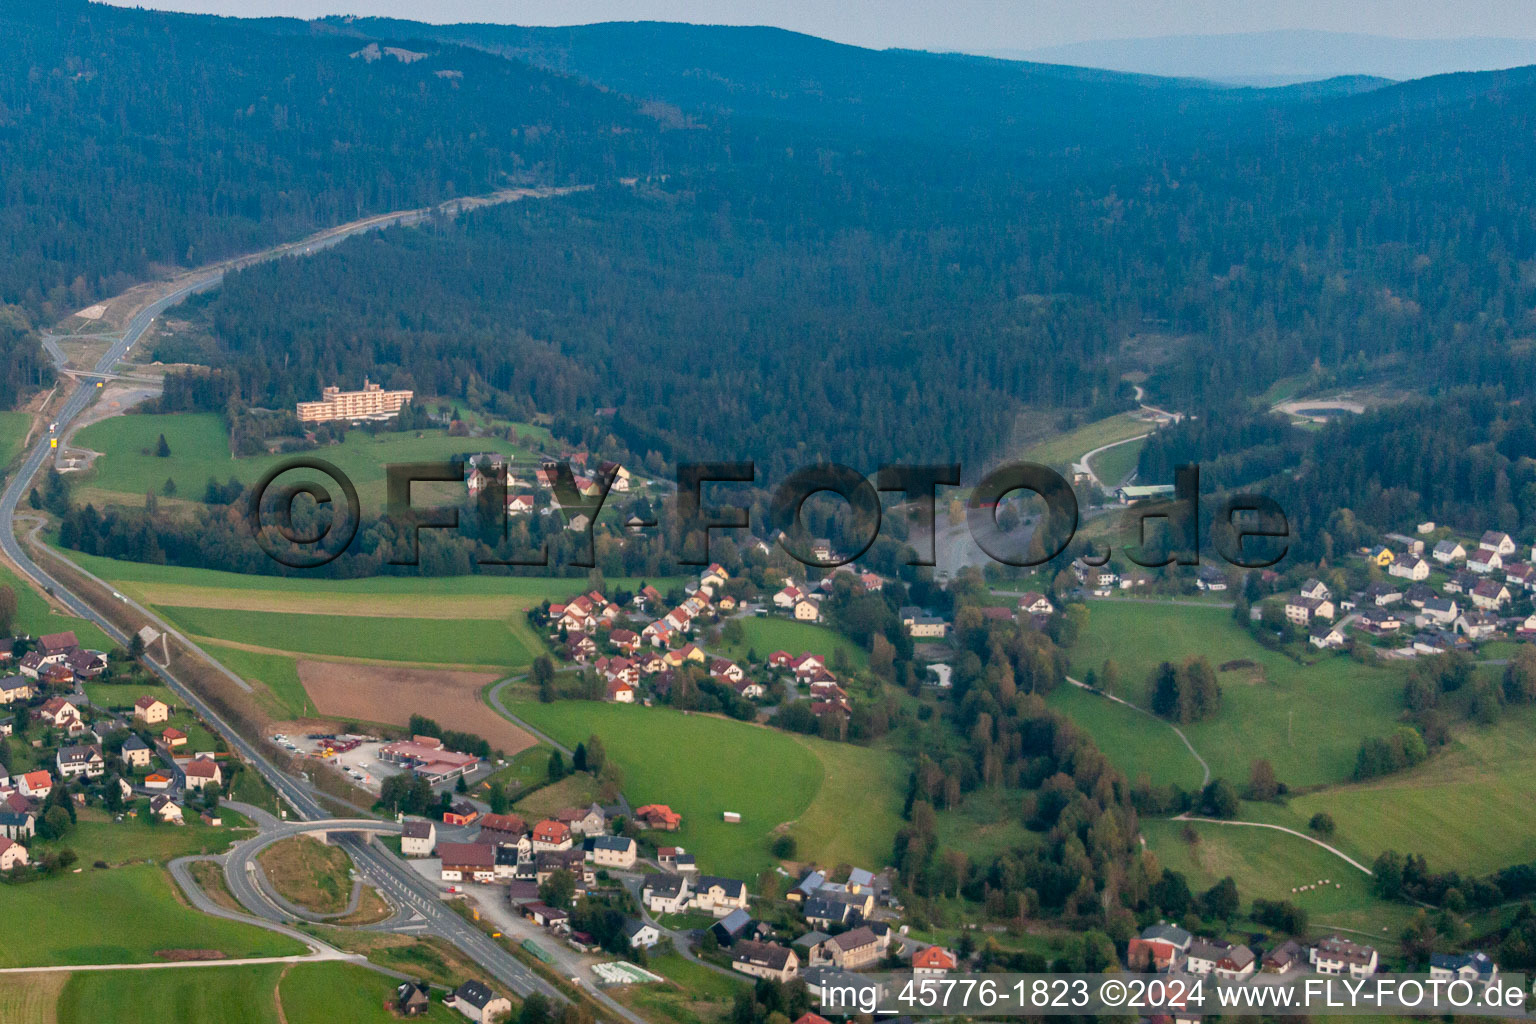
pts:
pixel 949 24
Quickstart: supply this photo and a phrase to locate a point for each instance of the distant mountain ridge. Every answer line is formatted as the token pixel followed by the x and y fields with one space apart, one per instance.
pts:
pixel 1285 56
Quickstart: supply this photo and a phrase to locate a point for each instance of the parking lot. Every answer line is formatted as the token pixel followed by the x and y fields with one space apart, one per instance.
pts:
pixel 361 764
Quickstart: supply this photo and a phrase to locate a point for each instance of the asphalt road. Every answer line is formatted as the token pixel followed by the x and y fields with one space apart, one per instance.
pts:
pixel 387 873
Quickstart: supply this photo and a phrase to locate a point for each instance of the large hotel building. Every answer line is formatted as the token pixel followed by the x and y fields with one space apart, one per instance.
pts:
pixel 371 403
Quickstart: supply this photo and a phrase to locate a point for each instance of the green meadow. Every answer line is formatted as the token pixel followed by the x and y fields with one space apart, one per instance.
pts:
pixel 379 638
pixel 769 634
pixel 199 449
pixel 1307 720
pixel 150 918
pixel 1135 741
pixel 841 803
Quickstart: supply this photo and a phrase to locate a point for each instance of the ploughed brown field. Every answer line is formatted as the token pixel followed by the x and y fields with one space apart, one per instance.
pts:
pixel 392 694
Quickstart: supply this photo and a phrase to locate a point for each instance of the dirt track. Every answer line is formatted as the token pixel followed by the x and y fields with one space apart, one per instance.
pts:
pixel 391 694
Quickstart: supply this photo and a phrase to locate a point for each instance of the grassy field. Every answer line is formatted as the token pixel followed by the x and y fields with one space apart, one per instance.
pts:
pixel 1456 809
pixel 575 790
pixel 31 998
pixel 431 641
pixel 132 841
pixel 1114 465
pixel 35 616
pixel 13 431
pixel 702 765
pixel 229 995
pixel 199 444
pixel 1064 449
pixel 1136 742
pixel 158 921
pixel 308 872
pixel 533 588
pixel 332 993
pixel 1268 864
pixel 277 673
pixel 692 993
pixel 767 635
pixel 1308 721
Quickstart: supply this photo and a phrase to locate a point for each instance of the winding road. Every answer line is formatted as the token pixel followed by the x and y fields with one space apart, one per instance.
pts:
pixel 390 875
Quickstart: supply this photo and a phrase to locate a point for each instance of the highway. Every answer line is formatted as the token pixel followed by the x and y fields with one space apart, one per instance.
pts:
pixel 391 876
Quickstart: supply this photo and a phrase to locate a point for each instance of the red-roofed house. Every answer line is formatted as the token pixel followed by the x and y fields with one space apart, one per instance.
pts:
pixel 551 835
pixel 203 771
pixel 659 817
pixel 151 711
pixel 173 737
pixel 12 854
pixel 36 785
pixel 934 960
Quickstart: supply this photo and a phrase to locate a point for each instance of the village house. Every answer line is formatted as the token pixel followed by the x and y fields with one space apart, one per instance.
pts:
pixel 1520 574
pixel 1286 957
pixel 640 935
pixel 59 713
pixel 612 852
pixel 1036 603
pixel 155 780
pixel 1335 955
pixel 203 771
pixel 806 610
pixel 620 692
pixel 1485 560
pixel 1326 636
pixel 412 998
pixel 1490 595
pixel 1301 610
pixel 14 688
pixel 765 960
pixel 665 893
pixel 172 737
pixel 151 711
pixel 718 896
pixel 36 785
pixel 419 838
pixel 582 821
pixel 1209 578
pixel 856 949
pixel 475 1000
pixel 467 862
pixel 1410 567
pixel 1381 556
pixel 1317 589
pixel 1501 542
pixel 1448 551
pixel 659 817
pixel 1474 967
pixel 76 761
pixel 1379 621
pixel 166 809
pixel 1159 945
pixel 934 960
pixel 12 855
pixel 551 835
pixel 17 825
pixel 1477 625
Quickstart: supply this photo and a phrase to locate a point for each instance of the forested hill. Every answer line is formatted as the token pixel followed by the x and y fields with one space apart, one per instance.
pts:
pixel 131 139
pixel 769 74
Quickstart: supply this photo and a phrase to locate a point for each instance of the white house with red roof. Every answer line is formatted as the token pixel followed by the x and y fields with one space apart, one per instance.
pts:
pixel 934 960
pixel 36 785
pixel 203 771
pixel 12 854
